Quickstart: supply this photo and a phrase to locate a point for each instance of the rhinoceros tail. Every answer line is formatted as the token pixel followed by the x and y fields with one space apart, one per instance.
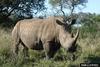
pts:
pixel 15 31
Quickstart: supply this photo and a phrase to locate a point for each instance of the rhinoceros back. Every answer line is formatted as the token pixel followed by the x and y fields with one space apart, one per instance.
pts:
pixel 35 32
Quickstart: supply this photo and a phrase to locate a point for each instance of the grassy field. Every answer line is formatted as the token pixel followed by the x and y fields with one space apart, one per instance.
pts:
pixel 87 52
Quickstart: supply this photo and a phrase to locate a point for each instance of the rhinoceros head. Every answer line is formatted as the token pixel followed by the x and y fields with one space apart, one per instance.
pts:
pixel 66 39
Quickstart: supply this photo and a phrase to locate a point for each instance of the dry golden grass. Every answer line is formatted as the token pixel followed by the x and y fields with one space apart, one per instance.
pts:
pixel 89 45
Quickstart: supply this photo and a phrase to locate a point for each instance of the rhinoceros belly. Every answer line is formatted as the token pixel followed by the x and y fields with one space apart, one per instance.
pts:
pixel 30 39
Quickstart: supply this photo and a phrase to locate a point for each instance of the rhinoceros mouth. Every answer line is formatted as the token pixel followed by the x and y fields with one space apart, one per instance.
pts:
pixel 72 48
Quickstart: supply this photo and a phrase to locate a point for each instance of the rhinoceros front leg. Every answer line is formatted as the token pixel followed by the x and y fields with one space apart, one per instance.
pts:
pixel 46 50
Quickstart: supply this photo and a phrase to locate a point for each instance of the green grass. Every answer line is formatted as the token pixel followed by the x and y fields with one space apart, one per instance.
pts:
pixel 88 51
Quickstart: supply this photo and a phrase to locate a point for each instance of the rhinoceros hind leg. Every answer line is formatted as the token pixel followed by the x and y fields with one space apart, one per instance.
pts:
pixel 16 47
pixel 25 50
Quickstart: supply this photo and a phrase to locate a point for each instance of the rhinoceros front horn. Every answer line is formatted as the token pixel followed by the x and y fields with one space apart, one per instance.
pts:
pixel 76 36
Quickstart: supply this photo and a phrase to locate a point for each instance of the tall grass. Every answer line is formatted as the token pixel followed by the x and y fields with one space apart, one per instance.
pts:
pixel 87 52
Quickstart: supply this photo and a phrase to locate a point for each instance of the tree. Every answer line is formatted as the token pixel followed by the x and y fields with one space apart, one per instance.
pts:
pixel 67 4
pixel 21 8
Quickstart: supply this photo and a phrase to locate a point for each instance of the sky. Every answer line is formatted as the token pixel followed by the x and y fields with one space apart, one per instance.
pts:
pixel 93 6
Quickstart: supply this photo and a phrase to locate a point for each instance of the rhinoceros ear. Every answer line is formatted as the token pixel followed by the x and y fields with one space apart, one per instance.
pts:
pixel 59 22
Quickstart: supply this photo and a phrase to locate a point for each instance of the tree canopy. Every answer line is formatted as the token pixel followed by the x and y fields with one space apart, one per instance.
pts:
pixel 21 7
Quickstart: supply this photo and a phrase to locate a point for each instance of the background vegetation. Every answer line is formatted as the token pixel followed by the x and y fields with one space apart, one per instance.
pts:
pixel 87 52
pixel 89 38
